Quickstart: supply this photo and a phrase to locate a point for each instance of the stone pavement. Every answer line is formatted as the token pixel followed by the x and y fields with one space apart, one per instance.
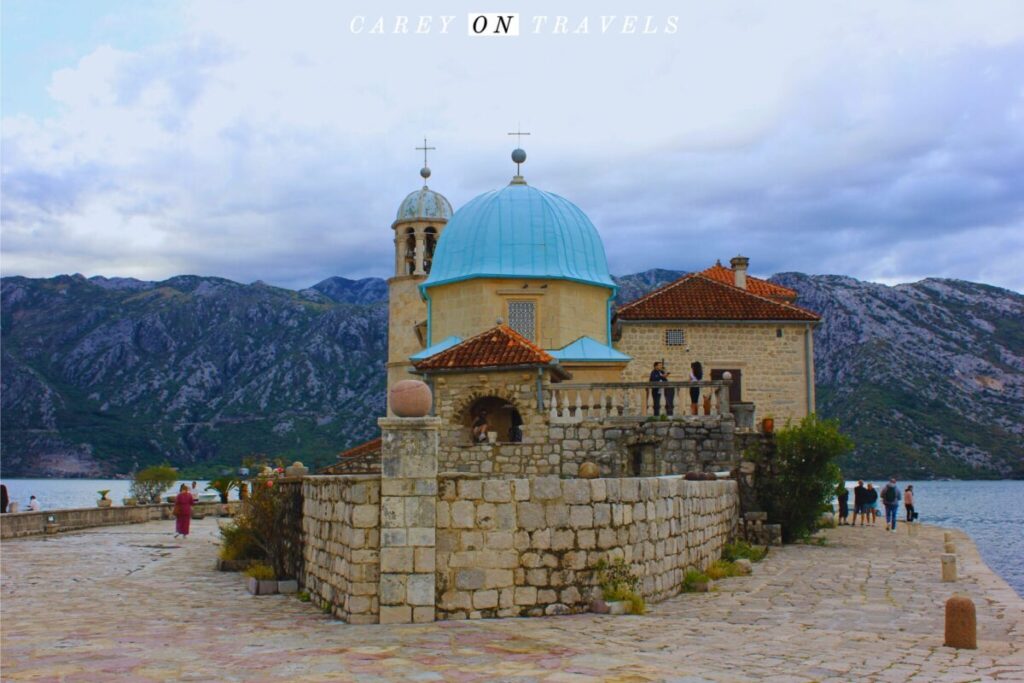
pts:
pixel 132 604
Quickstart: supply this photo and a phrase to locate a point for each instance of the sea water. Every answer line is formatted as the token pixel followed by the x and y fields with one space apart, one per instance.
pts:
pixel 990 511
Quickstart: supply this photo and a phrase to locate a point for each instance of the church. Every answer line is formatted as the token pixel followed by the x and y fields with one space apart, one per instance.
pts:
pixel 507 310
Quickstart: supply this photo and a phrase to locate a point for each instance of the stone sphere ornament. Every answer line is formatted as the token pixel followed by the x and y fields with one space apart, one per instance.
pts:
pixel 410 398
pixel 589 470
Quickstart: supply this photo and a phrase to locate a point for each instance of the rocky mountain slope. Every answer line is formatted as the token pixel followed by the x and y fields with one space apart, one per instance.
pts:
pixel 101 375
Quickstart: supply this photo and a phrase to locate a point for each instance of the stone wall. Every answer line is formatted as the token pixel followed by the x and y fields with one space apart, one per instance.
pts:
pixel 512 547
pixel 13 525
pixel 774 375
pixel 341 541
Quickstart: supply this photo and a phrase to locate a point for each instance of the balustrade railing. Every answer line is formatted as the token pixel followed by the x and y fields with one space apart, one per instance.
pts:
pixel 598 401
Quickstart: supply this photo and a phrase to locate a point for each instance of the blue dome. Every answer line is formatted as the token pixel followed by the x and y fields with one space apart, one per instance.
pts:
pixel 519 232
pixel 424 203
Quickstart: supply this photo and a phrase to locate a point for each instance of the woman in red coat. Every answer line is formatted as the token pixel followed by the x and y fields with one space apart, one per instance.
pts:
pixel 182 512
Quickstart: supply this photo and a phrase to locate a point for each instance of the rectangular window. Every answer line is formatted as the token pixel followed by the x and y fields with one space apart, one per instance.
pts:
pixel 674 338
pixel 522 317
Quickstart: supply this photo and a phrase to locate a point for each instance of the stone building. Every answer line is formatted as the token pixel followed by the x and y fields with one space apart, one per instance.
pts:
pixel 507 309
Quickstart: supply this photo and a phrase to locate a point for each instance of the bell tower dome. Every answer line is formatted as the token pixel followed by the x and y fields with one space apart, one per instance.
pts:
pixel 421 218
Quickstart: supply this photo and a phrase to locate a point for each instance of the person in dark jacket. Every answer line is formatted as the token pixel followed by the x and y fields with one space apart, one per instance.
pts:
pixel 871 503
pixel 696 375
pixel 658 374
pixel 859 506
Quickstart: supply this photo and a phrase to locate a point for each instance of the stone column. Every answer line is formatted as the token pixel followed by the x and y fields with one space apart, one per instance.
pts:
pixel 407 518
pixel 421 250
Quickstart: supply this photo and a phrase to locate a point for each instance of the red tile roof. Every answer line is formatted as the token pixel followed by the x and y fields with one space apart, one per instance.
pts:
pixel 755 285
pixel 698 297
pixel 360 459
pixel 500 346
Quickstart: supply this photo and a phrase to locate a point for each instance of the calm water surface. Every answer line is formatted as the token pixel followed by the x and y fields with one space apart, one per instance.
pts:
pixel 990 511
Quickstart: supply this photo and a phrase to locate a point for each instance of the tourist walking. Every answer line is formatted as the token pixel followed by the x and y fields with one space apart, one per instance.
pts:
pixel 843 496
pixel 871 500
pixel 891 501
pixel 658 374
pixel 696 375
pixel 182 512
pixel 908 502
pixel 859 506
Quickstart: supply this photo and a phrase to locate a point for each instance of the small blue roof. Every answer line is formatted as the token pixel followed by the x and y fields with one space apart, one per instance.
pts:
pixel 424 204
pixel 588 349
pixel 519 232
pixel 440 346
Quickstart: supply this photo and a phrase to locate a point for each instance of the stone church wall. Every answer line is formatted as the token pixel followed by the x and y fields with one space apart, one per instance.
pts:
pixel 515 547
pixel 773 366
pixel 341 541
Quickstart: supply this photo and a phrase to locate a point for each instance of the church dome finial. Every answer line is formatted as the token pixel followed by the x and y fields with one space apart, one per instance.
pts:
pixel 518 156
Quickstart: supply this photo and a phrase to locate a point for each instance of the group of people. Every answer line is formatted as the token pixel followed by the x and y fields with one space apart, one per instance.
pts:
pixel 658 374
pixel 865 504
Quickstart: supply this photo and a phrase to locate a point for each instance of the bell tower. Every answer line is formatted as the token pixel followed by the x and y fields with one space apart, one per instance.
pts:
pixel 421 219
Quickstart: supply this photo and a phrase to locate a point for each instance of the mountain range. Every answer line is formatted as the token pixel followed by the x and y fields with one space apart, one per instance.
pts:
pixel 100 375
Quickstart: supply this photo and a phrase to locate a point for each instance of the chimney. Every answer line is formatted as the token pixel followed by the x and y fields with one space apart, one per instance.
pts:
pixel 739 269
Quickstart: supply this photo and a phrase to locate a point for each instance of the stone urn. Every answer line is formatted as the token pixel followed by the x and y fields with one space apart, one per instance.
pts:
pixel 296 469
pixel 410 398
pixel 589 470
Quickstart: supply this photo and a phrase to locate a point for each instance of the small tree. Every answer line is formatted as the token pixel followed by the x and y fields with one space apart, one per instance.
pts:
pixel 262 515
pixel 799 480
pixel 223 486
pixel 151 483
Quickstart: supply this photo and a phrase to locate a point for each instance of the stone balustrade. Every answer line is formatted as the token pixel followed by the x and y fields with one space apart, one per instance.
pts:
pixel 569 403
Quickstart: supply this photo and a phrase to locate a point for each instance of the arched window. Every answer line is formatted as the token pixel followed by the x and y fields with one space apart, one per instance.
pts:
pixel 410 251
pixel 430 242
pixel 493 414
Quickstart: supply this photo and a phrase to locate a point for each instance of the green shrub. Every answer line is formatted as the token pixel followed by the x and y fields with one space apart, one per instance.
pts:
pixel 721 569
pixel 260 572
pixel 151 483
pixel 238 543
pixel 741 550
pixel 692 578
pixel 303 596
pixel 802 475
pixel 261 516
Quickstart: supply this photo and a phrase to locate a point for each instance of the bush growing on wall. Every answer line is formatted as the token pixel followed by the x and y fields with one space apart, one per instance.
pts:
pixel 151 483
pixel 261 519
pixel 800 478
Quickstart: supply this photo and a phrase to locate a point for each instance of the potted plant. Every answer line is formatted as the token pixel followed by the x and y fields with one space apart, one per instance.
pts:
pixel 104 502
pixel 223 486
pixel 768 424
pixel 260 579
pixel 492 437
pixel 619 588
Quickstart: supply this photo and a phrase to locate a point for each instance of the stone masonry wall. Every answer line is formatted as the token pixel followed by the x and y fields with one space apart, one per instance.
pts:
pixel 341 532
pixel 513 547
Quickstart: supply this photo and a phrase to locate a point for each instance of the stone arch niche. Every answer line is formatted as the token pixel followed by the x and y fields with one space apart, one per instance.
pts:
pixel 410 251
pixel 503 413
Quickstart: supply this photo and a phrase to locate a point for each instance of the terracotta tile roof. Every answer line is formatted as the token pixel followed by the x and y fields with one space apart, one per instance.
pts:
pixel 500 346
pixel 362 458
pixel 755 285
pixel 698 297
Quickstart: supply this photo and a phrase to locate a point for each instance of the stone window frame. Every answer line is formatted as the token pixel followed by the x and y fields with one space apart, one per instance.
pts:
pixel 682 337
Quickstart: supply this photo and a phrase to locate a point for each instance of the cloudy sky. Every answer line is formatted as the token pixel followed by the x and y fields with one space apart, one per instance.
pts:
pixel 269 141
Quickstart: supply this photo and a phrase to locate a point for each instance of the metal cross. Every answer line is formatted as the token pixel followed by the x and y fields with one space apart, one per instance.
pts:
pixel 425 148
pixel 519 134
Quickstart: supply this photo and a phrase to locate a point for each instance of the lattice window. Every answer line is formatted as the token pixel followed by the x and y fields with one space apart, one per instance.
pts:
pixel 674 338
pixel 522 317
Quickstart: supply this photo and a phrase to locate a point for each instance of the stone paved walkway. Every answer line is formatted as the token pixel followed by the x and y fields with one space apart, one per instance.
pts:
pixel 133 604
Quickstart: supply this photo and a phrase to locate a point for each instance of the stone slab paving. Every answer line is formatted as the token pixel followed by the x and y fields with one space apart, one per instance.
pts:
pixel 133 604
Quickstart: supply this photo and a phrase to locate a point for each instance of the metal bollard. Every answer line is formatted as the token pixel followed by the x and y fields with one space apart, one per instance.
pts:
pixel 961 623
pixel 949 567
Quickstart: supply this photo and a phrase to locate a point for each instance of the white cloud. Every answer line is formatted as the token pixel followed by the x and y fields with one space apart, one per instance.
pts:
pixel 267 142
